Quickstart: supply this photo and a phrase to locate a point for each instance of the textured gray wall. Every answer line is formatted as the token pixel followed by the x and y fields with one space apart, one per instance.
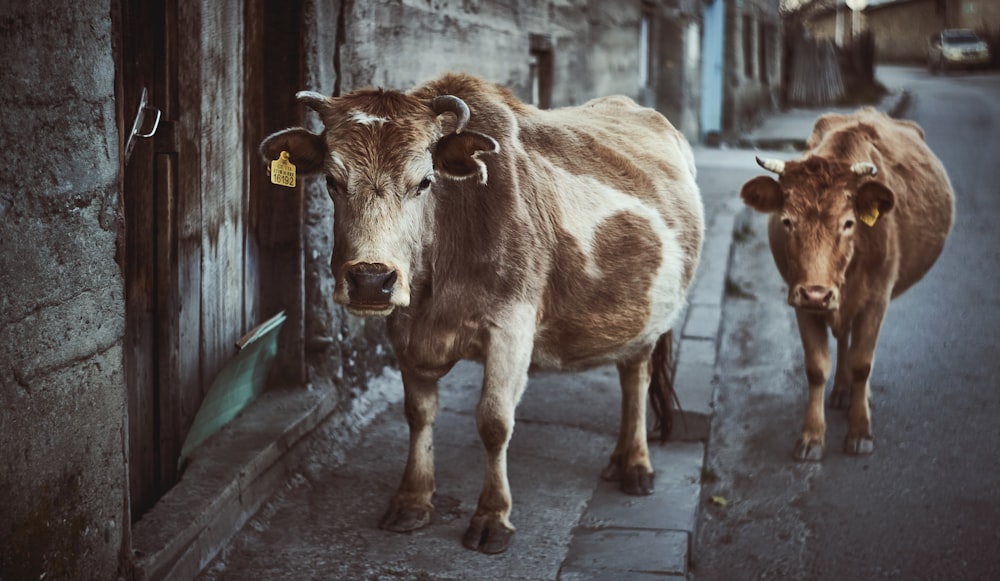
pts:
pixel 62 395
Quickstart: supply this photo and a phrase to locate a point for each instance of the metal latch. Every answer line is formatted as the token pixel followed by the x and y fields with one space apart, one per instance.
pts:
pixel 140 122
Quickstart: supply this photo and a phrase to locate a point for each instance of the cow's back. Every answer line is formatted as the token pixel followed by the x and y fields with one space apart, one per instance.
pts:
pixel 628 221
pixel 632 148
pixel 924 202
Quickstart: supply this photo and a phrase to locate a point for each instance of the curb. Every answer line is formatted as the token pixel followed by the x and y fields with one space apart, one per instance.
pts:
pixel 699 338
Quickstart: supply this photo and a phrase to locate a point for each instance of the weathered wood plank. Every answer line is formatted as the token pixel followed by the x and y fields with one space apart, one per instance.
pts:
pixel 221 185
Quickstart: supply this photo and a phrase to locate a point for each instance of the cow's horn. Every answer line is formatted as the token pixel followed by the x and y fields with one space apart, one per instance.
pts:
pixel 775 165
pixel 865 168
pixel 315 101
pixel 452 104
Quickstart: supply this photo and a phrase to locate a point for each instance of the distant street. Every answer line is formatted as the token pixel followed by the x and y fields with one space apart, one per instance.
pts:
pixel 926 504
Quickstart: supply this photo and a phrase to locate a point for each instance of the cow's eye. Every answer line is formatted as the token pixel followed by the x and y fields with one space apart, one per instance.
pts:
pixel 848 225
pixel 786 222
pixel 425 184
pixel 331 184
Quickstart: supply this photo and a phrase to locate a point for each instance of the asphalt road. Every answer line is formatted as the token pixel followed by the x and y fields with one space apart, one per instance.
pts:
pixel 926 504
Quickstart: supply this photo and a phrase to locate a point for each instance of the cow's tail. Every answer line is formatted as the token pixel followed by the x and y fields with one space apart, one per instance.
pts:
pixel 662 396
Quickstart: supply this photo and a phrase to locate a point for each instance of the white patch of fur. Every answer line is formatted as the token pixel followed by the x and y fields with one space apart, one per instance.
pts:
pixel 363 118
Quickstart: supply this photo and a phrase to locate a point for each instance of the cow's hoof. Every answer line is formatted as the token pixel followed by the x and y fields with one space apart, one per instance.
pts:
pixel 403 520
pixel 637 481
pixel 859 446
pixel 808 451
pixel 488 535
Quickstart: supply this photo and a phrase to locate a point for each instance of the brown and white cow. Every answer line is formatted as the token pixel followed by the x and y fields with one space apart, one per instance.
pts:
pixel 561 239
pixel 857 221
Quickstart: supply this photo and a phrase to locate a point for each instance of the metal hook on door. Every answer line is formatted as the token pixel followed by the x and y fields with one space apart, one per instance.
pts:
pixel 140 119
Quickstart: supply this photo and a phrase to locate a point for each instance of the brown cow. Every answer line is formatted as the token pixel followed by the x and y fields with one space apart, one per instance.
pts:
pixel 860 219
pixel 560 239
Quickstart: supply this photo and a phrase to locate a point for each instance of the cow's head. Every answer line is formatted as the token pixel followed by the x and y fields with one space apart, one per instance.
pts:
pixel 381 153
pixel 821 205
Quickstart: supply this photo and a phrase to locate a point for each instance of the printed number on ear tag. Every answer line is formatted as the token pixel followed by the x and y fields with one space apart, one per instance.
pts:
pixel 282 171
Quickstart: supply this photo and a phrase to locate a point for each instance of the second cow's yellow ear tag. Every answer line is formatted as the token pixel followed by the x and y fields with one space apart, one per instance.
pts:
pixel 869 215
pixel 282 171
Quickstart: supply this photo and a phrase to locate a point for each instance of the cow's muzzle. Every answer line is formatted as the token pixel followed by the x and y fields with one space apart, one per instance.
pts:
pixel 814 297
pixel 369 287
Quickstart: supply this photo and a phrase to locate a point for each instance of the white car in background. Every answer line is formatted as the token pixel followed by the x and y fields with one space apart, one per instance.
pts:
pixel 957 48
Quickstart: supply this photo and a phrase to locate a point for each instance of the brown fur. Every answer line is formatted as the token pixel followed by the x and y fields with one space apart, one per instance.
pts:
pixel 812 206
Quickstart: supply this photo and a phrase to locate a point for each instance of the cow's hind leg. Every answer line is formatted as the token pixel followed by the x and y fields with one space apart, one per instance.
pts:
pixel 840 395
pixel 816 347
pixel 630 465
pixel 411 507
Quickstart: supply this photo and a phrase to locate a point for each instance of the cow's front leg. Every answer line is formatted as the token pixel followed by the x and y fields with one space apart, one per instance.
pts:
pixel 816 347
pixel 630 465
pixel 864 336
pixel 411 507
pixel 508 356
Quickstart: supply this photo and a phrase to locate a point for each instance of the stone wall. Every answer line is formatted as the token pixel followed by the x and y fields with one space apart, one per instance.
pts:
pixel 62 396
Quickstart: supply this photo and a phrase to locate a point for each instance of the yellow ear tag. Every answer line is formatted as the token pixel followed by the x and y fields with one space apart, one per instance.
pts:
pixel 282 171
pixel 870 214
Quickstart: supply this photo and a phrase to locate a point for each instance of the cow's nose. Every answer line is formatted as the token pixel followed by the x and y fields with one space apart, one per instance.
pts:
pixel 815 297
pixel 370 284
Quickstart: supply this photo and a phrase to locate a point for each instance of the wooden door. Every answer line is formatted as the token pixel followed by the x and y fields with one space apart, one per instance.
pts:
pixel 146 55
pixel 208 251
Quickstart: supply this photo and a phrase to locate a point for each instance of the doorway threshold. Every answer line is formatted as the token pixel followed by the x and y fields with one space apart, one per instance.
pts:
pixel 226 482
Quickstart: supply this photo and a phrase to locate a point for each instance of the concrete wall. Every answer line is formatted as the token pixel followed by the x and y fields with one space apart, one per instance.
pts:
pixel 400 44
pixel 62 395
pixel 982 15
pixel 902 31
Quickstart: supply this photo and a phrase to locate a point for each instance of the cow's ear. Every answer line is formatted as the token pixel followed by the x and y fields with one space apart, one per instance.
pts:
pixel 305 149
pixel 457 155
pixel 763 194
pixel 874 194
